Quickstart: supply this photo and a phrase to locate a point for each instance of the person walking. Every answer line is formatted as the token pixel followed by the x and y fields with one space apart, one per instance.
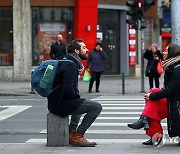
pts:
pixel 96 60
pixel 157 107
pixel 66 100
pixel 58 49
pixel 153 55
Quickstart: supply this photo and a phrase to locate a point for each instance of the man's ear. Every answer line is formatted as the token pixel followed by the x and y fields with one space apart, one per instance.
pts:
pixel 76 51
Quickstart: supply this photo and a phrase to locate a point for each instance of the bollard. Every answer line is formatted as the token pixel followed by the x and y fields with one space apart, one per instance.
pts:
pixel 57 130
pixel 32 89
pixel 142 75
pixel 123 83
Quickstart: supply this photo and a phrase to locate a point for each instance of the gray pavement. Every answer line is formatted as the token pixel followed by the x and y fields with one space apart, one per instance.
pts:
pixel 111 88
pixel 110 85
pixel 123 148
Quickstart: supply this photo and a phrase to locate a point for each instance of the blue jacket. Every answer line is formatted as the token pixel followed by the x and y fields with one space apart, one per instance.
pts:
pixel 96 59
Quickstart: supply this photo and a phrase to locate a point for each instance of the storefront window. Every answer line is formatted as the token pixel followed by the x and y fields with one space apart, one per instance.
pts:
pixel 6 37
pixel 47 22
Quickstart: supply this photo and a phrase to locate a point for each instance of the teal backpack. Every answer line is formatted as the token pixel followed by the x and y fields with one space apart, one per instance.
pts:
pixel 43 77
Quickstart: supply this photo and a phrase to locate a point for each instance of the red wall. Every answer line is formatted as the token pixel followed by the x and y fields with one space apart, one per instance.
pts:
pixel 86 14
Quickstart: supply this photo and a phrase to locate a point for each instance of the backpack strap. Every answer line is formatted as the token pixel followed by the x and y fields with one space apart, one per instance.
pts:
pixel 60 61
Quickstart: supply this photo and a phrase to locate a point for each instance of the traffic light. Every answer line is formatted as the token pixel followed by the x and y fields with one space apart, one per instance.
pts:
pixel 140 9
pixel 148 4
pixel 136 12
pixel 131 12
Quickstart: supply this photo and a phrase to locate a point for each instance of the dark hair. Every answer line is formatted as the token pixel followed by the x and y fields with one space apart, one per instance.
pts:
pixel 173 50
pixel 74 45
pixel 98 43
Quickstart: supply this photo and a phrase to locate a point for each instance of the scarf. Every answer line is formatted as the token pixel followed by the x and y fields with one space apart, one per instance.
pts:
pixel 76 59
pixel 168 62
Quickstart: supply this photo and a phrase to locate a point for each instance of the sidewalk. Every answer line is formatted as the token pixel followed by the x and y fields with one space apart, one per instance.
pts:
pixel 123 148
pixel 110 85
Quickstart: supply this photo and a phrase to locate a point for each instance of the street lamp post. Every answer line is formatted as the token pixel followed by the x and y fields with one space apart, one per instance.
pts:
pixel 175 21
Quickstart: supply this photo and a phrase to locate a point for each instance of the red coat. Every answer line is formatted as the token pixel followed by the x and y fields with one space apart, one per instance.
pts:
pixel 156 109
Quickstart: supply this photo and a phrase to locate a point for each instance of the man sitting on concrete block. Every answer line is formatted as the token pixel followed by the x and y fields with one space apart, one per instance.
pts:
pixel 65 100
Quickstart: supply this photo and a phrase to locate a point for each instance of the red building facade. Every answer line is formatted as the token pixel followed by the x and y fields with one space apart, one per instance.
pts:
pixel 92 21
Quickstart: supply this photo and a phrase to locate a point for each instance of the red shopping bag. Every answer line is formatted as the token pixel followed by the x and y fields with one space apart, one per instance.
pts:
pixel 160 67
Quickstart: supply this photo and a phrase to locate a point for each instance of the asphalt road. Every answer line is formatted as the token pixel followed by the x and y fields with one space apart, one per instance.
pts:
pixel 24 118
pixel 23 125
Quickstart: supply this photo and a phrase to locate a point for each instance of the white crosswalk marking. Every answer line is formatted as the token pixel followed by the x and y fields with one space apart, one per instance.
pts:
pixel 111 125
pixel 11 110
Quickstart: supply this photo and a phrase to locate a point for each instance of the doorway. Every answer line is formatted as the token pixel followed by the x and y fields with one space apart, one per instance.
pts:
pixel 109 35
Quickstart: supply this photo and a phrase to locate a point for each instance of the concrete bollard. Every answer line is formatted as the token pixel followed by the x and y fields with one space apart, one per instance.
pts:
pixel 57 130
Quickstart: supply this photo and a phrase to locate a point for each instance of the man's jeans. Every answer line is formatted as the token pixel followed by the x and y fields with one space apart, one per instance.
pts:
pixel 92 110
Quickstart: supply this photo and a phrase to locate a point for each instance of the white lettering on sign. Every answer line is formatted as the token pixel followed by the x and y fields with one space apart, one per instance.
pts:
pixel 132 31
pixel 132 41
pixel 44 27
pixel 132 53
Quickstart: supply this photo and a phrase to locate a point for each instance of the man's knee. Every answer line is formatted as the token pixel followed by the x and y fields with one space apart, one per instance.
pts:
pixel 99 106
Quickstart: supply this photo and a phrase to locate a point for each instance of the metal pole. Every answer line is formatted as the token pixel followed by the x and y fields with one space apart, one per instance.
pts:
pixel 123 83
pixel 142 70
pixel 140 57
pixel 139 42
pixel 175 21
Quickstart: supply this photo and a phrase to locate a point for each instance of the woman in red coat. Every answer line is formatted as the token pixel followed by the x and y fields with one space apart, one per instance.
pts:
pixel 165 102
pixel 156 111
pixel 153 113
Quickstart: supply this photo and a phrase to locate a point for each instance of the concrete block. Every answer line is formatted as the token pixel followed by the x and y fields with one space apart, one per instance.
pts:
pixel 57 130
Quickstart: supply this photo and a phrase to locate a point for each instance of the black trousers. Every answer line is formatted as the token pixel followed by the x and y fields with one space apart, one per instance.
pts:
pixel 156 79
pixel 95 77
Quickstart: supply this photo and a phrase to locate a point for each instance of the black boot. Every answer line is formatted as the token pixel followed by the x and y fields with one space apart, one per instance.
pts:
pixel 149 142
pixel 142 122
pixel 97 85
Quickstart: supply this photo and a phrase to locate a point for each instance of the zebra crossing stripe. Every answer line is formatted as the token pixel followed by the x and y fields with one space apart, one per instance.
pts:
pixel 116 124
pixel 115 118
pixel 121 102
pixel 103 112
pixel 11 111
pixel 104 104
pixel 116 132
pixel 123 108
pixel 103 98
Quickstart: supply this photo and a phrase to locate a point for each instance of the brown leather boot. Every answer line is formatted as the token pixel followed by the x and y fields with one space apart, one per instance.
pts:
pixel 77 139
pixel 71 135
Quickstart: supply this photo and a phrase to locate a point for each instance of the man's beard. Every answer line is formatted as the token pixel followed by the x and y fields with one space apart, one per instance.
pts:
pixel 83 57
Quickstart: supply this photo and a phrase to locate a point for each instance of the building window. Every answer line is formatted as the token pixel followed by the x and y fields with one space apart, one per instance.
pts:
pixel 47 22
pixel 6 36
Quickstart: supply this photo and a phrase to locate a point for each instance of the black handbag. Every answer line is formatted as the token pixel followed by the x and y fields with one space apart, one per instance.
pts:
pixel 148 71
